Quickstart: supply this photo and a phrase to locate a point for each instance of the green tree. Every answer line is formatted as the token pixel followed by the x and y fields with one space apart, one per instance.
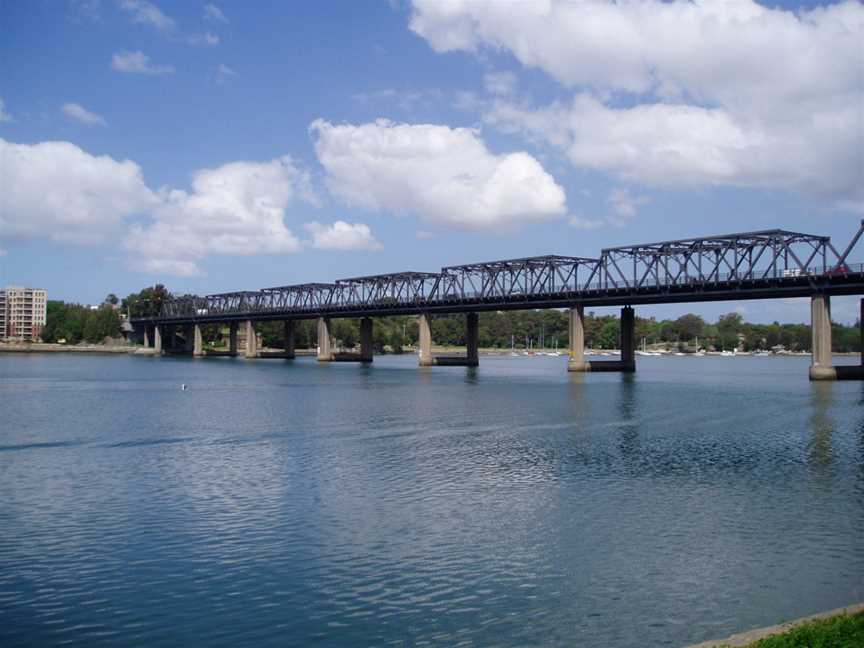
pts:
pixel 689 327
pixel 610 335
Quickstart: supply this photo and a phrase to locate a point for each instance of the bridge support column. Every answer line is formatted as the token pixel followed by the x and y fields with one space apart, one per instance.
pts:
pixel 576 359
pixel 198 342
pixel 820 330
pixel 366 339
pixel 232 339
pixel 325 344
pixel 288 339
pixel 251 340
pixel 472 339
pixel 425 325
pixel 146 337
pixel 169 338
pixel 157 339
pixel 628 339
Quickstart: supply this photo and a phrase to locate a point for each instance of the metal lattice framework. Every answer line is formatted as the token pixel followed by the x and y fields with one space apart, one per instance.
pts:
pixel 748 265
pixel 734 257
pixel 517 278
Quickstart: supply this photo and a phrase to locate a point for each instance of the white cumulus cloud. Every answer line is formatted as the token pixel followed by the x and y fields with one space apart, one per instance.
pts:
pixel 146 13
pixel 138 63
pixel 446 175
pixel 80 114
pixel 57 190
pixel 725 93
pixel 236 209
pixel 341 236
pixel 624 205
pixel 499 83
pixel 212 12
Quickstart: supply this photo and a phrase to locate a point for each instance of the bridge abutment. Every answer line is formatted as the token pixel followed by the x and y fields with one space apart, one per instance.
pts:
pixel 325 343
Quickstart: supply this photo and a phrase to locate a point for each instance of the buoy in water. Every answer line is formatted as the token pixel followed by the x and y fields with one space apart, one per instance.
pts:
pixel 183 386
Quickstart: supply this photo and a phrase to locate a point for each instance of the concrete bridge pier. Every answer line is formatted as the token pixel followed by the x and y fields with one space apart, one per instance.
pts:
pixel 576 360
pixel 472 339
pixel 472 344
pixel 146 337
pixel 821 367
pixel 325 343
pixel 169 338
pixel 288 339
pixel 627 363
pixel 189 338
pixel 424 322
pixel 820 330
pixel 197 342
pixel 232 339
pixel 366 351
pixel 251 340
pixel 628 339
pixel 157 339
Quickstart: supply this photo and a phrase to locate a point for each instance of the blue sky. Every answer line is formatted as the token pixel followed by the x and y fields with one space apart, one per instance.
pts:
pixel 227 145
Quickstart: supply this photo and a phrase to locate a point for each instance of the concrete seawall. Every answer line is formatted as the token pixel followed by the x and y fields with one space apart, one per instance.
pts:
pixel 40 347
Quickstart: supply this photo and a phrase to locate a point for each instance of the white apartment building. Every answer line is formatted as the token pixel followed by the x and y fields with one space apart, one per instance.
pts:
pixel 22 313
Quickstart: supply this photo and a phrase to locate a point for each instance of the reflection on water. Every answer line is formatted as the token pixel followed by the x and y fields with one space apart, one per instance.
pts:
pixel 822 426
pixel 278 503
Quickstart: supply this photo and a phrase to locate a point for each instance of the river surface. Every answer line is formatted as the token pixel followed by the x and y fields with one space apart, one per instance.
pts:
pixel 280 503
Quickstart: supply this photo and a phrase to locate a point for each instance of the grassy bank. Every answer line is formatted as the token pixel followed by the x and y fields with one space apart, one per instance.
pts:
pixel 845 631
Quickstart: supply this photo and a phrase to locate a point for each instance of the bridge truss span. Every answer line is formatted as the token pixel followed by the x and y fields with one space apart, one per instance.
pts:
pixel 746 265
pixel 748 256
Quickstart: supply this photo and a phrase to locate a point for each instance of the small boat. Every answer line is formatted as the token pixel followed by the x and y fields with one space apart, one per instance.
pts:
pixel 728 354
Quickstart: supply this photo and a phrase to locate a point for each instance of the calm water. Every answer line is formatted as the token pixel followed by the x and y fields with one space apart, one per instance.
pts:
pixel 279 503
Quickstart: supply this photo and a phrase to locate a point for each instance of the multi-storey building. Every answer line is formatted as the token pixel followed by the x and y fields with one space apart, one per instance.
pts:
pixel 23 312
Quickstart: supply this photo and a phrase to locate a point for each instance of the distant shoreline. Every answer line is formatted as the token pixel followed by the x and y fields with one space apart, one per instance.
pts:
pixel 43 347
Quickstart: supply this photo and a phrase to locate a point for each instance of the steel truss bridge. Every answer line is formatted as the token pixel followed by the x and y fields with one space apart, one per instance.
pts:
pixel 748 265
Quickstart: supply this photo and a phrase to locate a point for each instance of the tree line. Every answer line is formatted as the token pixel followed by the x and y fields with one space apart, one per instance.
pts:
pixel 76 323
